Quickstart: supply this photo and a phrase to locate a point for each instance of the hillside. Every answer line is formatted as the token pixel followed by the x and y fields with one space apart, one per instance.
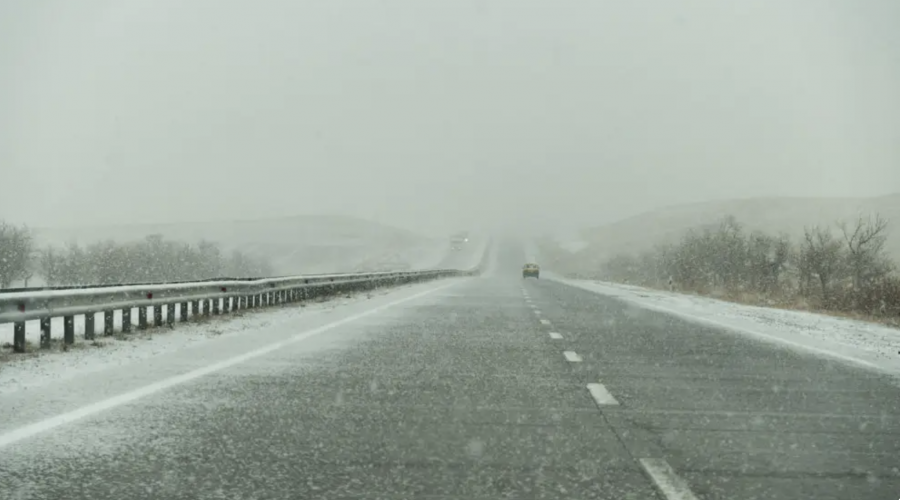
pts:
pixel 294 245
pixel 773 215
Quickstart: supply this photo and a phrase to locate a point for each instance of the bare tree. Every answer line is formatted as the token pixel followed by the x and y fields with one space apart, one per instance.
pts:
pixel 16 252
pixel 150 259
pixel 865 241
pixel 822 257
pixel 50 264
pixel 767 257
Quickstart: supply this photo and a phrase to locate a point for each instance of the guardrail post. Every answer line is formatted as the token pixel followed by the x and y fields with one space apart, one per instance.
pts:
pixel 216 306
pixel 183 309
pixel 89 330
pixel 126 320
pixel 207 307
pixel 68 330
pixel 157 315
pixel 226 305
pixel 195 308
pixel 19 337
pixel 45 333
pixel 108 322
pixel 142 318
pixel 170 314
pixel 252 299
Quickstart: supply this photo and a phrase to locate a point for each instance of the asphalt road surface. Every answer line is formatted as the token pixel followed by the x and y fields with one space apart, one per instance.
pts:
pixel 492 388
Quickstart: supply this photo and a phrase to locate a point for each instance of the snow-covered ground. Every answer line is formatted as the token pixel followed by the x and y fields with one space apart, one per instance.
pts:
pixel 20 372
pixel 859 343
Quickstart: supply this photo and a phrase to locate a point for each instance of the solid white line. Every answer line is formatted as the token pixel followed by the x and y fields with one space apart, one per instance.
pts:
pixel 30 430
pixel 545 322
pixel 670 484
pixel 572 357
pixel 554 335
pixel 601 395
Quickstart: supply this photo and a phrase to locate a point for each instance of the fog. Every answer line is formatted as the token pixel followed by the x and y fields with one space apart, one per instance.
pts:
pixel 439 115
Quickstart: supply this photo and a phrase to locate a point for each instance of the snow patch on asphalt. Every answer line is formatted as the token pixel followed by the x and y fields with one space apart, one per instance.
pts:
pixel 860 343
pixel 38 368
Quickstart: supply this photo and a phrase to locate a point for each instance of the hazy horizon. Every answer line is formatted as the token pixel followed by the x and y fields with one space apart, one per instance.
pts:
pixel 438 116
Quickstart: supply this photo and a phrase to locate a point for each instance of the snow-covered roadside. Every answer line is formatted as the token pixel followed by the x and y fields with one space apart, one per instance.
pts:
pixel 33 328
pixel 860 343
pixel 20 372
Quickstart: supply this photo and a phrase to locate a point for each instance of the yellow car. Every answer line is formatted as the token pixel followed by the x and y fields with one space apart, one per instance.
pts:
pixel 531 270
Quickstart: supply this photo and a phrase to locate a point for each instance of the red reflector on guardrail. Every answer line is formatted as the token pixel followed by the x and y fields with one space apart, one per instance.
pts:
pixel 223 288
pixel 149 296
pixel 21 307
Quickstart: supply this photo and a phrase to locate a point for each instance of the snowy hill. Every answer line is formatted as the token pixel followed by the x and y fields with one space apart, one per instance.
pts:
pixel 294 245
pixel 772 215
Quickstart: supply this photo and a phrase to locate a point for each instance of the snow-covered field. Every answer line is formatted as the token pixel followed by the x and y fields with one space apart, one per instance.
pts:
pixel 859 343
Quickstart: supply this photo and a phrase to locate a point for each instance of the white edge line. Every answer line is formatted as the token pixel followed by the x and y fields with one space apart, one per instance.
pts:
pixel 670 484
pixel 601 395
pixel 572 356
pixel 734 329
pixel 45 425
pixel 555 335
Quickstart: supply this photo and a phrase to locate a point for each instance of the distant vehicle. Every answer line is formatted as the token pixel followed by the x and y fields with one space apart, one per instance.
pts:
pixel 531 270
pixel 459 240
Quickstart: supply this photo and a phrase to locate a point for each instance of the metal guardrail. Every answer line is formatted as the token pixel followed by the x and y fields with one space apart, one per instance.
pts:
pixel 145 283
pixel 200 298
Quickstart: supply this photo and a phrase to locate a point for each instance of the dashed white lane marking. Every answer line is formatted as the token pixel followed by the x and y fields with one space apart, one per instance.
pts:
pixel 572 356
pixel 601 395
pixel 545 322
pixel 555 335
pixel 51 423
pixel 537 312
pixel 670 484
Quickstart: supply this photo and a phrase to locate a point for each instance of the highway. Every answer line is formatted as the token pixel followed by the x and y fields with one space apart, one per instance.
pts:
pixel 485 388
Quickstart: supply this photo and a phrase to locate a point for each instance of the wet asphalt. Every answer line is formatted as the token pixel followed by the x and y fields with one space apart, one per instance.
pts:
pixel 465 395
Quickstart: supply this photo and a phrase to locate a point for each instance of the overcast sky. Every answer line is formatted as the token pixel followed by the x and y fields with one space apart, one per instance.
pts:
pixel 437 113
